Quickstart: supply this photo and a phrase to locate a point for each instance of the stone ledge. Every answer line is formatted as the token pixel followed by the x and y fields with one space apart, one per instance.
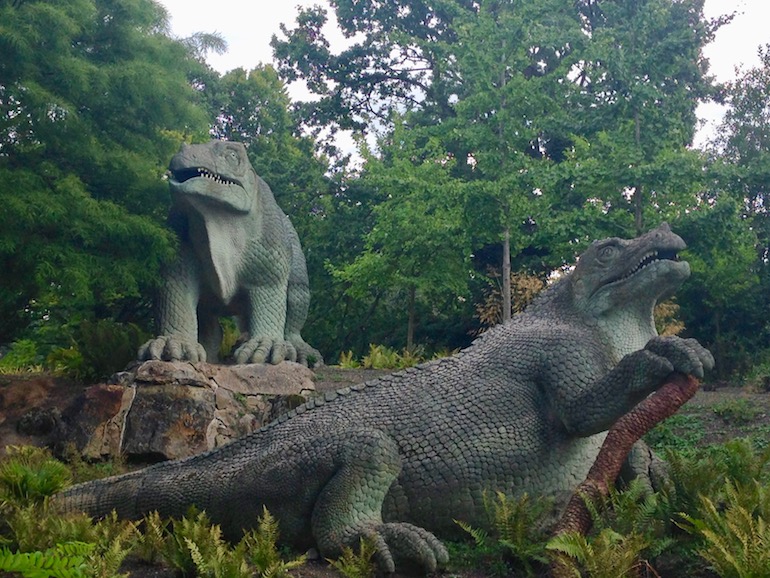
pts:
pixel 167 410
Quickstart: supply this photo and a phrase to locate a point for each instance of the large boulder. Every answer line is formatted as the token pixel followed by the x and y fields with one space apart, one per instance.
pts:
pixel 167 410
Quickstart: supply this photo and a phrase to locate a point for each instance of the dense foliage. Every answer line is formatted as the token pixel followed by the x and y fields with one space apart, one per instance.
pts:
pixel 497 139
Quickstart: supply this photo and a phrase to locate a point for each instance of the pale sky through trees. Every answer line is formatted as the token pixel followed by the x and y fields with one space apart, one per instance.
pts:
pixel 248 27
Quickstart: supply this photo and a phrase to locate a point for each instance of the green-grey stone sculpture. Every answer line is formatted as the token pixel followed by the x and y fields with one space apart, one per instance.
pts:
pixel 239 255
pixel 397 459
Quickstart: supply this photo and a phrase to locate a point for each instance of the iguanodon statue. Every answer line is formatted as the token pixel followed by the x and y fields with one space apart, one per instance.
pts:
pixel 238 255
pixel 523 409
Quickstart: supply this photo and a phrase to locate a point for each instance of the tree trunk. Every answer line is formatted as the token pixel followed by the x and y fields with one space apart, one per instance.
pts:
pixel 638 189
pixel 506 274
pixel 620 438
pixel 410 320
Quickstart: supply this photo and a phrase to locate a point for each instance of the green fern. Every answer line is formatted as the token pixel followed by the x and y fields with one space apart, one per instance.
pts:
pixel 221 562
pixel 33 527
pixel 359 564
pixel 261 548
pixel 195 546
pixel 195 527
pixel 115 539
pixel 480 537
pixel 636 510
pixel 150 543
pixel 605 555
pixel 736 536
pixel 63 561
pixel 518 525
pixel 380 357
pixel 517 528
pixel 29 475
pixel 348 361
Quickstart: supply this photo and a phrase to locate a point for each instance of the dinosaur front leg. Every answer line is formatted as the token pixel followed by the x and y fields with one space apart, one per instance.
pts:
pixel 350 506
pixel 176 307
pixel 266 319
pixel 593 405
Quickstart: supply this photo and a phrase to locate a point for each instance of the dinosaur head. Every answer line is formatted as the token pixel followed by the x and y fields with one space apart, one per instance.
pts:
pixel 216 173
pixel 617 273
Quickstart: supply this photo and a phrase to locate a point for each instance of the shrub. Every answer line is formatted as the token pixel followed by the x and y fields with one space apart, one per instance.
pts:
pixel 28 475
pixel 23 356
pixel 107 346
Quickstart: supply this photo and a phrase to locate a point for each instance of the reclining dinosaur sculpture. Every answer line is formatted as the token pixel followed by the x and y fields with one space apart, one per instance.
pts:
pixel 523 409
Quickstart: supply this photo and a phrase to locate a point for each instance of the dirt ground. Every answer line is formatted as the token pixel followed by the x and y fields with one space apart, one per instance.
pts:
pixel 710 417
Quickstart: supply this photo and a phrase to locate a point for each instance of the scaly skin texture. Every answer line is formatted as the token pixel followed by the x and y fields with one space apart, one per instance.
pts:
pixel 239 255
pixel 397 459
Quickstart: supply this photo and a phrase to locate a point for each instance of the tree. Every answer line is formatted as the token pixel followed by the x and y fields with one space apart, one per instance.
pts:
pixel 563 121
pixel 641 77
pixel 730 235
pixel 397 59
pixel 722 252
pixel 742 146
pixel 416 246
pixel 512 59
pixel 94 99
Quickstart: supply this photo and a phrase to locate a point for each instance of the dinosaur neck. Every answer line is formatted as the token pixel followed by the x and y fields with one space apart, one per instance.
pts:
pixel 220 242
pixel 626 330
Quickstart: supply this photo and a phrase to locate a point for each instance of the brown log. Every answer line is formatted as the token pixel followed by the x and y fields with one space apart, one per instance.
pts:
pixel 621 437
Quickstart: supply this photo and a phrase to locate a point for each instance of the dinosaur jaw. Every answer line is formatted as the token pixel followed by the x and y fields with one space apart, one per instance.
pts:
pixel 211 187
pixel 657 270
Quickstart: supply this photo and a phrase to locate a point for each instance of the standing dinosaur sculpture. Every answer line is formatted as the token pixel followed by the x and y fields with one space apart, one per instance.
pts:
pixel 239 255
pixel 398 458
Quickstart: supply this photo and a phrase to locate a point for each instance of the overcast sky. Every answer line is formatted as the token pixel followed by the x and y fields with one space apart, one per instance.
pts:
pixel 248 27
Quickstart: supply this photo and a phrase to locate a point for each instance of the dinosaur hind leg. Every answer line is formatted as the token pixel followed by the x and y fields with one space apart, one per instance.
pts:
pixel 350 506
pixel 297 304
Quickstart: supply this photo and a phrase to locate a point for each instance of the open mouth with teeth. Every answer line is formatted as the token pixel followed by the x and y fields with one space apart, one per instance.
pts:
pixel 646 260
pixel 184 175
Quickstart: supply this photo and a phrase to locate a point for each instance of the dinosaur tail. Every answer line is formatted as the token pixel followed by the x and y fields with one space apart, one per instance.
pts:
pixel 168 490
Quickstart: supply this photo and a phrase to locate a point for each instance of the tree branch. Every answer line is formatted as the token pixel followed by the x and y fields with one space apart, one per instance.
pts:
pixel 621 437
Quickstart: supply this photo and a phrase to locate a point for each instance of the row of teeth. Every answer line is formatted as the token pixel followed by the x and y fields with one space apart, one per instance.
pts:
pixel 206 174
pixel 646 260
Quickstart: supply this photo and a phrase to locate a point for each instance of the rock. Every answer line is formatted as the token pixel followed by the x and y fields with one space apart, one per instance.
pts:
pixel 167 410
pixel 38 421
pixel 90 412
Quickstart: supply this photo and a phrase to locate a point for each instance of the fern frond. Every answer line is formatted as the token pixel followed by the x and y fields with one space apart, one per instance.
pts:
pixel 62 561
pixel 353 564
pixel 480 537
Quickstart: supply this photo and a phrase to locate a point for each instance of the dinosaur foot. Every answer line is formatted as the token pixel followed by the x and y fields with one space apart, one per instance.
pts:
pixel 263 349
pixel 306 355
pixel 172 348
pixel 401 545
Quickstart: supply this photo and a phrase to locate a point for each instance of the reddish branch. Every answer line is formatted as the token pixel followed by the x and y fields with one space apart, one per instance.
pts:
pixel 620 438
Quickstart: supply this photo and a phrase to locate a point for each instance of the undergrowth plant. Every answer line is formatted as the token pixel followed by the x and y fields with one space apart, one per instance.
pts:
pixel 517 532
pixel 739 411
pixel 607 554
pixel 196 547
pixel 735 534
pixel 28 475
pixel 356 564
pixel 261 547
pixel 62 561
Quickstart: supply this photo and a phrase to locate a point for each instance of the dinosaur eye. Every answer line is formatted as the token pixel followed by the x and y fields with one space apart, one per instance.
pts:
pixel 233 158
pixel 608 252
